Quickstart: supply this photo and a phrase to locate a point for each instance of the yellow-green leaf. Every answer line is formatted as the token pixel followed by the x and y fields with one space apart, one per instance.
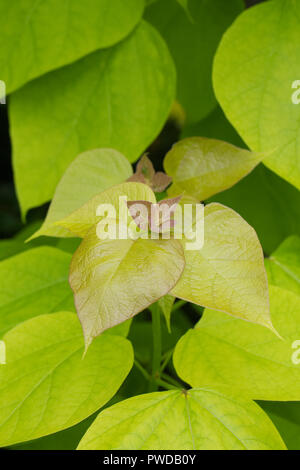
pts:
pixel 113 280
pixel 89 174
pixel 200 419
pixel 166 304
pixel 80 221
pixel 117 97
pixel 255 77
pixel 38 36
pixel 248 358
pixel 283 266
pixel 46 384
pixel 203 167
pixel 228 272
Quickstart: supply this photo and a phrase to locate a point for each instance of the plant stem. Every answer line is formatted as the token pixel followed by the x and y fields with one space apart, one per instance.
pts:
pixel 156 357
pixel 165 384
pixel 178 305
pixel 166 358
pixel 139 366
pixel 173 381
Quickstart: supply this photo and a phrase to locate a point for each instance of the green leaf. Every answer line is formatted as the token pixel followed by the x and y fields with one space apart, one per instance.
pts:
pixel 86 105
pixel 270 193
pixel 113 280
pixel 37 37
pixel 246 357
pixel 228 272
pixel 253 77
pixel 84 218
pixel 47 386
pixel 262 198
pixel 166 304
pixel 32 283
pixel 10 248
pixel 89 174
pixel 215 126
pixel 202 167
pixel 192 31
pixel 286 418
pixel 283 266
pixel 197 419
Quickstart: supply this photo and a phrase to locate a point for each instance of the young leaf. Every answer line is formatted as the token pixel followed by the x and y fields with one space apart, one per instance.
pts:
pixel 253 78
pixel 283 266
pixel 146 174
pixel 37 37
pixel 32 283
pixel 195 419
pixel 113 280
pixel 192 32
pixel 86 105
pixel 80 221
pixel 166 303
pixel 90 173
pixel 228 272
pixel 47 386
pixel 248 358
pixel 203 167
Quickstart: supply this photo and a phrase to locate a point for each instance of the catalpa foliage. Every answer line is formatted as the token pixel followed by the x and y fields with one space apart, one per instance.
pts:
pixel 161 339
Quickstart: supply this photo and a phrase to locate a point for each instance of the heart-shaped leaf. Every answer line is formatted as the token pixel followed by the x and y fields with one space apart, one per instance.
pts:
pixel 202 167
pixel 250 359
pixel 80 221
pixel 113 280
pixel 47 386
pixel 200 418
pixel 90 173
pixel 39 36
pixel 86 105
pixel 228 272
pixel 254 74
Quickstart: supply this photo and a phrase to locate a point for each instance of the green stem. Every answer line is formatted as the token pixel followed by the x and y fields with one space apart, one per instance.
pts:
pixel 178 305
pixel 156 357
pixel 173 381
pixel 166 385
pixel 166 358
pixel 139 366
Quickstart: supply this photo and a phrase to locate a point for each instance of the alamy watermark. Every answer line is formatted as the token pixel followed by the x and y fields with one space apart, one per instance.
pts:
pixel 296 94
pixel 2 92
pixel 2 352
pixel 142 219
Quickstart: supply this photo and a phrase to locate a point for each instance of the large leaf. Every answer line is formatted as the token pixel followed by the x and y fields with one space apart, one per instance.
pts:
pixel 47 386
pixel 199 419
pixel 246 357
pixel 202 167
pixel 253 77
pixel 261 189
pixel 80 221
pixel 283 266
pixel 118 97
pixel 113 280
pixel 90 173
pixel 40 36
pixel 228 272
pixel 192 37
pixel 32 283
